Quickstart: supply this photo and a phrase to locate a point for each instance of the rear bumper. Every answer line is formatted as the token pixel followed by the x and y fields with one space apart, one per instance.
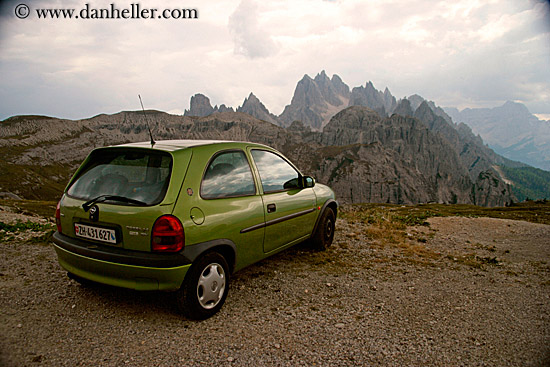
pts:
pixel 116 267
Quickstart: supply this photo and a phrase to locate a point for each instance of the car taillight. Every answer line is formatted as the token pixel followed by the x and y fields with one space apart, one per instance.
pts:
pixel 58 216
pixel 167 235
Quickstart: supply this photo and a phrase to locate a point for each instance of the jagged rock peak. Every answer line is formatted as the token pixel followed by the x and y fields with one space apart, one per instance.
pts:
pixel 404 108
pixel 254 107
pixel 341 87
pixel 224 108
pixel 425 113
pixel 369 96
pixel 322 77
pixel 200 106
pixel 251 99
pixel 415 101
pixel 316 100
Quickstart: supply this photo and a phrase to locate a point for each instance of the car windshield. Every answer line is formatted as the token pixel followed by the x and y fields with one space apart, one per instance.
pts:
pixel 136 175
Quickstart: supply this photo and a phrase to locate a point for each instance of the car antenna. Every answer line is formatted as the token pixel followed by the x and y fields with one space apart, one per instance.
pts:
pixel 147 122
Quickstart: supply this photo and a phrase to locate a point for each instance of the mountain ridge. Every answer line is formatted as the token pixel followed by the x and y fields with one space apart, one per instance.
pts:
pixel 365 157
pixel 511 131
pixel 364 142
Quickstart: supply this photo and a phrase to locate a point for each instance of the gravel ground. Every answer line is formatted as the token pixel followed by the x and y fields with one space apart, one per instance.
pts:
pixel 466 292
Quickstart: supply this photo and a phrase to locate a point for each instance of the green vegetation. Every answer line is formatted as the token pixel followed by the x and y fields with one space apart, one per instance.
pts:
pixel 528 182
pixel 42 232
pixel 530 211
pixel 39 181
pixel 41 208
pixel 392 228
pixel 34 232
pixel 23 226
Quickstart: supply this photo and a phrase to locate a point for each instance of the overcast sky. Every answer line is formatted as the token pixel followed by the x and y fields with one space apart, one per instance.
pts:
pixel 457 53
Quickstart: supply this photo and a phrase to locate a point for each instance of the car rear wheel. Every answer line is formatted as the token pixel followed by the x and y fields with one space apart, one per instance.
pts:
pixel 205 287
pixel 323 236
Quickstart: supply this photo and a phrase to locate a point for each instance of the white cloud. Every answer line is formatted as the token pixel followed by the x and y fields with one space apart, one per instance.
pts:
pixel 250 37
pixel 463 53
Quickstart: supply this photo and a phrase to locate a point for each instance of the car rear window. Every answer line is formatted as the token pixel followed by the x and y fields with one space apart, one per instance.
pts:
pixel 141 175
pixel 228 175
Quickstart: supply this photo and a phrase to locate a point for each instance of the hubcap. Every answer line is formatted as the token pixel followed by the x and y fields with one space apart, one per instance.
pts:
pixel 211 286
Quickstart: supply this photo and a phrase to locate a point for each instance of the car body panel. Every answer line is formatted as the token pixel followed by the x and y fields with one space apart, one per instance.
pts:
pixel 241 228
pixel 133 227
pixel 121 275
pixel 292 219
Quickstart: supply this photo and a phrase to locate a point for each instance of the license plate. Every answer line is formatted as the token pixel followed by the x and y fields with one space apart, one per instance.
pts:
pixel 95 233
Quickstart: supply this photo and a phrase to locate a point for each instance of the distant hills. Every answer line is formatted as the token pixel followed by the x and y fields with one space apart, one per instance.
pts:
pixel 366 144
pixel 511 130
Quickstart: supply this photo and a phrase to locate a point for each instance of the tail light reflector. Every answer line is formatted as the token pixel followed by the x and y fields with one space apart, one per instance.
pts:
pixel 167 235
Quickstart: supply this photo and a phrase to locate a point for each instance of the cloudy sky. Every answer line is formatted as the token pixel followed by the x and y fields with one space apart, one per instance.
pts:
pixel 461 53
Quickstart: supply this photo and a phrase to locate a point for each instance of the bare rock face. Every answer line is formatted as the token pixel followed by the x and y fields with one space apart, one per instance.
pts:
pixel 404 108
pixel 400 160
pixel 383 103
pixel 315 101
pixel 490 190
pixel 363 156
pixel 474 155
pixel 255 108
pixel 200 106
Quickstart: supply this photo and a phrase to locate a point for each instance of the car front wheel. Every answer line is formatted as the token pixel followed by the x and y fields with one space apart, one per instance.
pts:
pixel 323 236
pixel 205 287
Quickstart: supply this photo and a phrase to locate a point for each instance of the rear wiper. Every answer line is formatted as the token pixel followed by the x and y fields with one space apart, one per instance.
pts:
pixel 101 198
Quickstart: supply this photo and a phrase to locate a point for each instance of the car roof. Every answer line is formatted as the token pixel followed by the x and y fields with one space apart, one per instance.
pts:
pixel 173 145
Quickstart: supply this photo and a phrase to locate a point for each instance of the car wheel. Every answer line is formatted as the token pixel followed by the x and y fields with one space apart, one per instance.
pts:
pixel 323 236
pixel 205 287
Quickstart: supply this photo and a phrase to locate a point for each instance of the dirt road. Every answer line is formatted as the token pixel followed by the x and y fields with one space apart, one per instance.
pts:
pixel 472 292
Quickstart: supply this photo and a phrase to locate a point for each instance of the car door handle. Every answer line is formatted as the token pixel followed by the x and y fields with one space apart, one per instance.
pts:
pixel 271 208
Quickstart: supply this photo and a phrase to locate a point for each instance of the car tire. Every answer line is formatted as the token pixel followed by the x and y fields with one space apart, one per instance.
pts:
pixel 323 236
pixel 205 287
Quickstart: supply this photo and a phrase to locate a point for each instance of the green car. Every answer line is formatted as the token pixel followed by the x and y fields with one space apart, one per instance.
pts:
pixel 183 215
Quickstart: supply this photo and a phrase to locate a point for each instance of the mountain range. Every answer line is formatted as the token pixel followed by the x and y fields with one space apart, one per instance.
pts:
pixel 511 130
pixel 366 144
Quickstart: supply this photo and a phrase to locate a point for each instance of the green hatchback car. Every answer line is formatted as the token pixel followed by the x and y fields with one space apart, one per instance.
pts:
pixel 183 215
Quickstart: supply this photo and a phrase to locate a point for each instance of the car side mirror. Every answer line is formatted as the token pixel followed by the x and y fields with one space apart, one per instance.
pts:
pixel 308 181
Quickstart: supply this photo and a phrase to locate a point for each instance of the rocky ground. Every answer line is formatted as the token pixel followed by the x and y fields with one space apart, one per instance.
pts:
pixel 456 292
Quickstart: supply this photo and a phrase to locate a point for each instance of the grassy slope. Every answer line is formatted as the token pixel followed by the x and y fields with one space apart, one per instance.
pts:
pixel 530 211
pixel 529 182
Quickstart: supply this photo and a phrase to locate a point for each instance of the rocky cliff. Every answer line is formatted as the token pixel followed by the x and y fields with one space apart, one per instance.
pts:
pixel 383 103
pixel 365 157
pixel 316 100
pixel 255 108
pixel 200 106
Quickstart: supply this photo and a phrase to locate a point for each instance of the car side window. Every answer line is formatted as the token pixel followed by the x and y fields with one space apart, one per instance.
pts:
pixel 227 175
pixel 276 174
